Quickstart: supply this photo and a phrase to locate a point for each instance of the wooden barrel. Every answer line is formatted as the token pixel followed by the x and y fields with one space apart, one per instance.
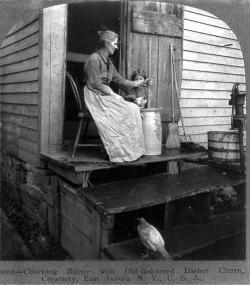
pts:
pixel 223 146
pixel 152 130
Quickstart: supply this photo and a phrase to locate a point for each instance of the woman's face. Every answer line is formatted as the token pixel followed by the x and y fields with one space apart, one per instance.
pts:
pixel 112 46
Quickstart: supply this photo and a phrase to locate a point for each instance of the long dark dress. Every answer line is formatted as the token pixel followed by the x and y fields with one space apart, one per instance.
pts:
pixel 118 121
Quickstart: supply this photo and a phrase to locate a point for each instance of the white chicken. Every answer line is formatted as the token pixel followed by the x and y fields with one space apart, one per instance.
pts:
pixel 151 239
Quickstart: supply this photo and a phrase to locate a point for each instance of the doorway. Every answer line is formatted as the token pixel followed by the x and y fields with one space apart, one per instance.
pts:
pixel 84 21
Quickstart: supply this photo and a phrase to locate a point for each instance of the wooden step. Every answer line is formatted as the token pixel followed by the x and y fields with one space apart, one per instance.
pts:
pixel 225 165
pixel 184 239
pixel 133 194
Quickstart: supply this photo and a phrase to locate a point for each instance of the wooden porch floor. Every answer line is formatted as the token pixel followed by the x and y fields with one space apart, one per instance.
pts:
pixel 89 159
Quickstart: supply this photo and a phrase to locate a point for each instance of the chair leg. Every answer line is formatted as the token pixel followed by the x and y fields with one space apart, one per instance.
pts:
pixel 77 137
pixel 85 131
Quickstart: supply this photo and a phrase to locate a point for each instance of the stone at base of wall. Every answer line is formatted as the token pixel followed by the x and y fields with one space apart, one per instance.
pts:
pixel 26 185
pixel 34 203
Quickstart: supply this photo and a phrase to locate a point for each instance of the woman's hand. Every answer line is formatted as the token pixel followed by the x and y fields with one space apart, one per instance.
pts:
pixel 149 82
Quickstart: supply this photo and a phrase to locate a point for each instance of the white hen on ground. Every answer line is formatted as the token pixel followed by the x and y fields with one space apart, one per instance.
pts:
pixel 151 239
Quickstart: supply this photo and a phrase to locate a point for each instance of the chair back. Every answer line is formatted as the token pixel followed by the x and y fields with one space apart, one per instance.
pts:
pixel 78 93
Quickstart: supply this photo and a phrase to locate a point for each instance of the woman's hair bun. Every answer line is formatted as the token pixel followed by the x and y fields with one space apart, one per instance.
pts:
pixel 106 36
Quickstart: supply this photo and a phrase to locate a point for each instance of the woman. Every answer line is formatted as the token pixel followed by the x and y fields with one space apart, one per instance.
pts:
pixel 118 121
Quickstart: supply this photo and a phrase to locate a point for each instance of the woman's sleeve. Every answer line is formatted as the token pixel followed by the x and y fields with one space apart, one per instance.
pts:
pixel 124 84
pixel 92 76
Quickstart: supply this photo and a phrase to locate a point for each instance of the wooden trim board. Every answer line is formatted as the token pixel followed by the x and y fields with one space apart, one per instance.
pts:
pixel 53 75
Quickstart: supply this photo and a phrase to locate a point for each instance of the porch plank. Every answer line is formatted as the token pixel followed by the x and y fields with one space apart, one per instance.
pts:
pixel 132 194
pixel 91 159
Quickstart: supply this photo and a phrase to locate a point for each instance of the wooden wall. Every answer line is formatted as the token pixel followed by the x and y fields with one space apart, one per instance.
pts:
pixel 212 62
pixel 19 73
pixel 149 49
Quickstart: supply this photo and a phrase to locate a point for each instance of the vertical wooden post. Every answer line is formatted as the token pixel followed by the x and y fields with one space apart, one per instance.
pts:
pixel 85 179
pixel 53 77
pixel 172 167
pixel 107 225
pixel 241 146
pixel 124 39
pixel 180 164
pixel 56 208
pixel 169 212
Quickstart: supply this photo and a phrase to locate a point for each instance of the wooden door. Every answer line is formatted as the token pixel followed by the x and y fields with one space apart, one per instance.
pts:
pixel 151 28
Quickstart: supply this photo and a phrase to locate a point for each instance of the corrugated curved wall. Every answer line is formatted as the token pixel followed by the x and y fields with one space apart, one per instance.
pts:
pixel 212 62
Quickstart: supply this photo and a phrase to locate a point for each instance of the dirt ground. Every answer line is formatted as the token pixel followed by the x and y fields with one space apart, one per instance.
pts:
pixel 20 242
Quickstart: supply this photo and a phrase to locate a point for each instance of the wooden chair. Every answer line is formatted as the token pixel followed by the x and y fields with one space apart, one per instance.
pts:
pixel 83 114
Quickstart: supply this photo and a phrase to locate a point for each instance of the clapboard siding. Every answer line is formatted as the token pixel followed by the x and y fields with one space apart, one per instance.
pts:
pixel 204 103
pixel 16 140
pixel 23 23
pixel 203 129
pixel 28 145
pixel 213 76
pixel 211 39
pixel 28 134
pixel 31 63
pixel 27 31
pixel 23 44
pixel 20 55
pixel 212 67
pixel 25 133
pixel 24 87
pixel 207 85
pixel 208 121
pixel 23 76
pixel 206 94
pixel 26 98
pixel 211 49
pixel 20 120
pixel 208 29
pixel 19 83
pixel 26 110
pixel 209 58
pixel 199 12
pixel 212 63
pixel 205 19
pixel 205 113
